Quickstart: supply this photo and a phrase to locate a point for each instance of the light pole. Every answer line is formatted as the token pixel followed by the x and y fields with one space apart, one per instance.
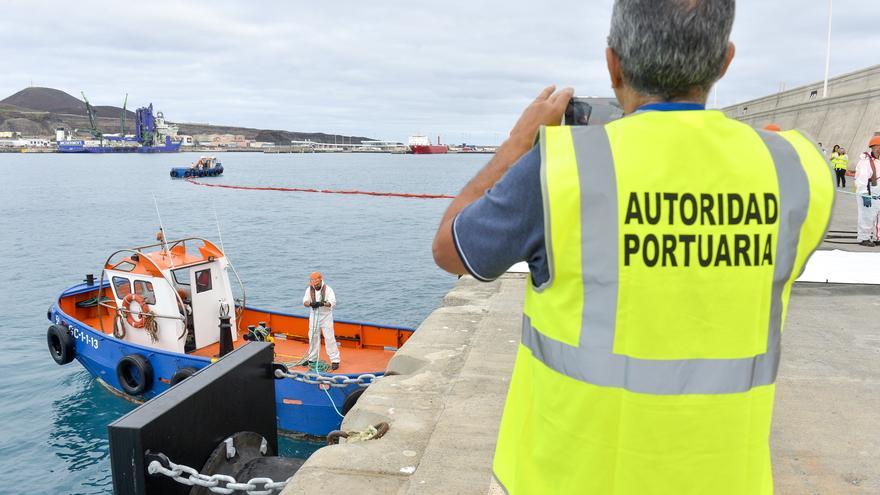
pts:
pixel 828 52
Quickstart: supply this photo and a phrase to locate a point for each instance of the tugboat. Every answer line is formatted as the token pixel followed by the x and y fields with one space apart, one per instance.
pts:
pixel 205 166
pixel 161 312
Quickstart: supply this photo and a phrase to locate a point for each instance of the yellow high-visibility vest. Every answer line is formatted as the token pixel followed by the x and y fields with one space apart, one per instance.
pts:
pixel 648 359
pixel 840 162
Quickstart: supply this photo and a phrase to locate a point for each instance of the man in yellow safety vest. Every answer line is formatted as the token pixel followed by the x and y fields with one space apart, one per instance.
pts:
pixel 658 287
pixel 840 162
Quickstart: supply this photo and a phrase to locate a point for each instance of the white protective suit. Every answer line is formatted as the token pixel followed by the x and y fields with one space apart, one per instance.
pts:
pixel 868 215
pixel 323 318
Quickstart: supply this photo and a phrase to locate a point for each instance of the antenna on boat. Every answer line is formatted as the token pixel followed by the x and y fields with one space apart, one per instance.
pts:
pixel 217 220
pixel 161 227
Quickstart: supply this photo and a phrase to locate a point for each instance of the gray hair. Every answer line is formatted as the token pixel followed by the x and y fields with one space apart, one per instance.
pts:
pixel 669 48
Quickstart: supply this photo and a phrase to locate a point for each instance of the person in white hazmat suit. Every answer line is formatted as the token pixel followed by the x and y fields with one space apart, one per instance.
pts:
pixel 868 194
pixel 321 299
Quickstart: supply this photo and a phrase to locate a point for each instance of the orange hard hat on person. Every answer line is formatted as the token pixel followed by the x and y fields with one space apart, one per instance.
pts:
pixel 772 127
pixel 316 275
pixel 875 141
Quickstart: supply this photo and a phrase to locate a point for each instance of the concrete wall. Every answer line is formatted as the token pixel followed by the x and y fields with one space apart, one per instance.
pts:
pixel 849 116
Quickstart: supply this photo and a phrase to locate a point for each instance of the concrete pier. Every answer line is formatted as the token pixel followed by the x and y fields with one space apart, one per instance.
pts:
pixel 446 402
pixel 444 406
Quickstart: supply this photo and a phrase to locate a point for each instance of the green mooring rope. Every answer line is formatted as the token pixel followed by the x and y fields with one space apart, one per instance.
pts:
pixel 318 366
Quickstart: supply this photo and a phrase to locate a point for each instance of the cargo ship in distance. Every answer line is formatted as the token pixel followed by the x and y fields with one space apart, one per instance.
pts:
pixel 421 145
pixel 152 135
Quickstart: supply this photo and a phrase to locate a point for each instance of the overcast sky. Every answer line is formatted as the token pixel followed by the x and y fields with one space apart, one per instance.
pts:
pixel 387 68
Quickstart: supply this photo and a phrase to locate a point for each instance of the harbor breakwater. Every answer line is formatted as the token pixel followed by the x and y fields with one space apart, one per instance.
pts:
pixel 848 116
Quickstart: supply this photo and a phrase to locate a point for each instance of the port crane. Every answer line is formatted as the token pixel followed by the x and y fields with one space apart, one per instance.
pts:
pixel 122 120
pixel 93 121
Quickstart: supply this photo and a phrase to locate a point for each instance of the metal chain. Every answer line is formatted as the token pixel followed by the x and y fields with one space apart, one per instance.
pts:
pixel 218 483
pixel 336 381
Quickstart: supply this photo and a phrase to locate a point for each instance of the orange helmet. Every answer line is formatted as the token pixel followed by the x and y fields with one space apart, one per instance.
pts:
pixel 772 127
pixel 875 141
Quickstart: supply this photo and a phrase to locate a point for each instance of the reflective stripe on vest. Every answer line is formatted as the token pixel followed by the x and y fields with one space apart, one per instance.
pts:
pixel 592 360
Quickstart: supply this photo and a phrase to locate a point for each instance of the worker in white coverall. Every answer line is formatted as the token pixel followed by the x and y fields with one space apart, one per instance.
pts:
pixel 321 299
pixel 868 193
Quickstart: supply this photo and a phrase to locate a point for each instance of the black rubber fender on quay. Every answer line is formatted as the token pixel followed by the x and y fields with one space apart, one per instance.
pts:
pixel 60 343
pixel 135 374
pixel 351 399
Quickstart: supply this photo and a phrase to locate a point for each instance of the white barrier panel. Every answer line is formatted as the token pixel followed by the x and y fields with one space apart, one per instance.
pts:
pixel 521 267
pixel 842 267
pixel 835 267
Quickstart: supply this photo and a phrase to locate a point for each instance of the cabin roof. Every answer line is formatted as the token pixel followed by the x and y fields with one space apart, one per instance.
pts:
pixel 151 260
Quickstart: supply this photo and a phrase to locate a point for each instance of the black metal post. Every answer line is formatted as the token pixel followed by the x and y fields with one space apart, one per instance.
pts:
pixel 225 336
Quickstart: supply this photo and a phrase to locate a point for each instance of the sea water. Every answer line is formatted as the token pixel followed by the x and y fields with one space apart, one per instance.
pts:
pixel 61 215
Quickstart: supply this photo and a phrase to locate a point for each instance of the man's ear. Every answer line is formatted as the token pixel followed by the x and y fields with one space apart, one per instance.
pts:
pixel 614 71
pixel 731 51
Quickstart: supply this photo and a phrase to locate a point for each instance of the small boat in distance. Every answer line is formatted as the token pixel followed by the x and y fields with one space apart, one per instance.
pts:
pixel 205 166
pixel 161 312
pixel 421 145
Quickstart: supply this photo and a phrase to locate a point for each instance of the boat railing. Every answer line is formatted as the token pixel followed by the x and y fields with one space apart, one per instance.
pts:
pixel 172 244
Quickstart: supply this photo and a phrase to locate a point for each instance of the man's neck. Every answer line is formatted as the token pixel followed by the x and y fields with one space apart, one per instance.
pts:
pixel 632 101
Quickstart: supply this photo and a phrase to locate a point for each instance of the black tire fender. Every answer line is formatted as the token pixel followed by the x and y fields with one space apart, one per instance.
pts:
pixel 61 345
pixel 351 399
pixel 135 374
pixel 182 374
pixel 174 174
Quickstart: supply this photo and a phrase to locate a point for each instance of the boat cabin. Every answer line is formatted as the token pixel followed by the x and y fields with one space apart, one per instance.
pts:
pixel 170 295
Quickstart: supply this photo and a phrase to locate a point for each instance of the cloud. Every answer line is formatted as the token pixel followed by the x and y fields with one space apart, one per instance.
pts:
pixel 384 69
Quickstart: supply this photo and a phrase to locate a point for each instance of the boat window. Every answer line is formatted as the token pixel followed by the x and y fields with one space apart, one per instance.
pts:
pixel 122 286
pixel 125 266
pixel 181 276
pixel 145 290
pixel 203 280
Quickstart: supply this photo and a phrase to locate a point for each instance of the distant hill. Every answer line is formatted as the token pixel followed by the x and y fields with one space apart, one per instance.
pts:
pixel 37 111
pixel 45 100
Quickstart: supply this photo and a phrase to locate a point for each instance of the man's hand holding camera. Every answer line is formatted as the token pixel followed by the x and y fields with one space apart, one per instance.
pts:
pixel 547 109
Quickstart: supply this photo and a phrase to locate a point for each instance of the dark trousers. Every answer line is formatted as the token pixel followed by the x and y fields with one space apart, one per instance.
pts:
pixel 841 177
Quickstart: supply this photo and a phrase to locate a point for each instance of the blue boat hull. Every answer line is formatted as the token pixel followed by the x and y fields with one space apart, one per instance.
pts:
pixel 173 148
pixel 302 409
pixel 80 147
pixel 186 172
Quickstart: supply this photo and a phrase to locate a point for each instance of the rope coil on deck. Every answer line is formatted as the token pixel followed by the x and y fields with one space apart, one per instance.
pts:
pixel 218 483
pixel 336 381
pixel 324 191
